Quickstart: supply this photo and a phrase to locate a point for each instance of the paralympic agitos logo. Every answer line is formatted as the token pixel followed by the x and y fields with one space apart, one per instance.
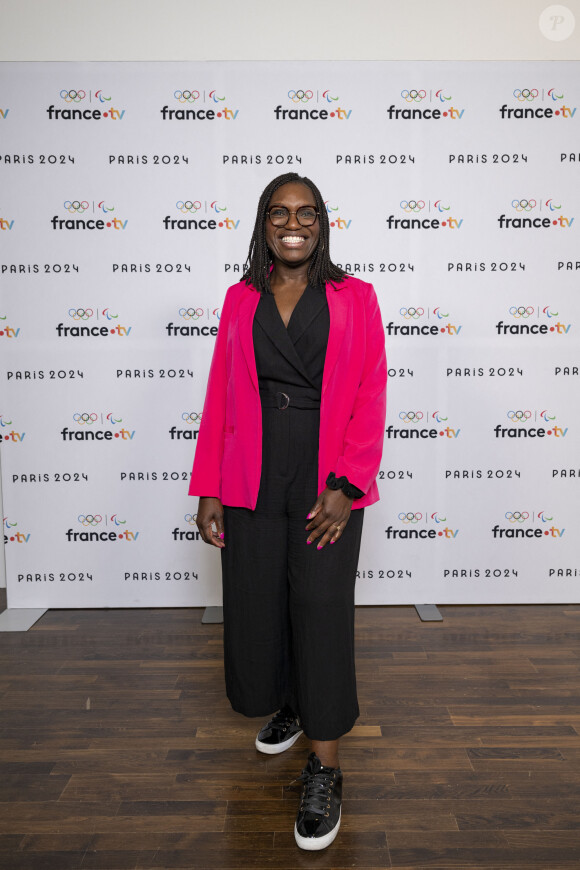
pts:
pixel 99 528
pixel 440 102
pixel 420 425
pixel 9 435
pixel 533 320
pixel 209 215
pixel 528 215
pixel 530 424
pixel 103 217
pixel 527 524
pixel 440 208
pixel 75 107
pixel 423 321
pixel 191 104
pixel 97 426
pixel 414 525
pixel 526 104
pixel 92 323
pixel 301 106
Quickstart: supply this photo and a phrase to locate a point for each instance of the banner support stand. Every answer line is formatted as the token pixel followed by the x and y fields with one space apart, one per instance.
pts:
pixel 213 615
pixel 428 613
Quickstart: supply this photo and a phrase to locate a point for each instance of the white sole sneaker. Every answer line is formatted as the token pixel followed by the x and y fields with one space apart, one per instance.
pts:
pixel 275 749
pixel 314 844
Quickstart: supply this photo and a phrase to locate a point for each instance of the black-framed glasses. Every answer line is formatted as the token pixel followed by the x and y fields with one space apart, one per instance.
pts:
pixel 280 215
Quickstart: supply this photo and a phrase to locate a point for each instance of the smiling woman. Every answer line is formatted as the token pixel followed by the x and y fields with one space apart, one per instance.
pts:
pixel 287 455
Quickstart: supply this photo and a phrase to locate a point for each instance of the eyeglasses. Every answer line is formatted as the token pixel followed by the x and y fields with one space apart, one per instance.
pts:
pixel 280 215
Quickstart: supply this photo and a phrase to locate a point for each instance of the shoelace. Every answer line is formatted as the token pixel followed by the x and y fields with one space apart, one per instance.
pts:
pixel 317 791
pixel 282 721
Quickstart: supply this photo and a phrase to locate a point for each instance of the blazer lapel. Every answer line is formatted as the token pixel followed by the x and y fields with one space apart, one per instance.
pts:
pixel 246 311
pixel 339 306
pixel 268 316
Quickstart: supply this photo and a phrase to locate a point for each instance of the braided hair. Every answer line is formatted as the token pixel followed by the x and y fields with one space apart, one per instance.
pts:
pixel 258 264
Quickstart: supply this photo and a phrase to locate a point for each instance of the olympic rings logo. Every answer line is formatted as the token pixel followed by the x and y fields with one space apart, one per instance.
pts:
pixel 80 313
pixel 186 96
pixel 519 416
pixel 410 416
pixel 190 519
pixel 72 96
pixel 191 313
pixel 300 96
pixel 413 96
pixel 191 417
pixel 526 94
pixel 517 516
pixel 412 205
pixel 85 417
pixel 521 311
pixel 76 207
pixel 410 517
pixel 524 204
pixel 90 519
pixel 412 313
pixel 188 206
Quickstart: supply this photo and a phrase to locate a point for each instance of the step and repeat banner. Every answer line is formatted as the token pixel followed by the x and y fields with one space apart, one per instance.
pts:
pixel 128 194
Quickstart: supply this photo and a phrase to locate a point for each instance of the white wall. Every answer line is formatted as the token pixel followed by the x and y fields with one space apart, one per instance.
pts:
pixel 124 30
pixel 263 30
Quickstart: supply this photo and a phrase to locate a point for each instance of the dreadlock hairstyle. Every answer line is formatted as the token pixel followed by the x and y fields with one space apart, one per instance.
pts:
pixel 259 261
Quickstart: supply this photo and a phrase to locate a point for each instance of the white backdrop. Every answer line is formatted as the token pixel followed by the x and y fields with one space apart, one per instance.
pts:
pixel 122 228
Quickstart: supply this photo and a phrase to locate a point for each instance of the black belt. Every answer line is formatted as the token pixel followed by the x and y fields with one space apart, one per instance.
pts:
pixel 283 400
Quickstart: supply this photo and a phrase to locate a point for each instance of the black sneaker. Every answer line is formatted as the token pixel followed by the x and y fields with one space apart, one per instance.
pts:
pixel 318 818
pixel 280 733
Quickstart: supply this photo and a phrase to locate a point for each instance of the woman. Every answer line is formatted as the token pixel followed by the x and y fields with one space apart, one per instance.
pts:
pixel 287 454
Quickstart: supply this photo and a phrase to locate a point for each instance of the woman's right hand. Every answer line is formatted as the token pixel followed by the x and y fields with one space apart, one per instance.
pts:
pixel 210 513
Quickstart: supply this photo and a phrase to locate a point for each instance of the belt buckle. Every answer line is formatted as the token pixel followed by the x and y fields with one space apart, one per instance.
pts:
pixel 287 397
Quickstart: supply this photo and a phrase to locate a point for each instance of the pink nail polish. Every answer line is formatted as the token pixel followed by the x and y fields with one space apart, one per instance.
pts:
pixel 308 542
pixel 222 535
pixel 333 542
pixel 309 517
pixel 319 547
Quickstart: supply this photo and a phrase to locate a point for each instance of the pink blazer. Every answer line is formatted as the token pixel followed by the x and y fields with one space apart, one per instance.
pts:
pixel 228 454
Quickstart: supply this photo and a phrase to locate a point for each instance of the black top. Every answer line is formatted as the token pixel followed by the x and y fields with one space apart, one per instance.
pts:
pixel 291 359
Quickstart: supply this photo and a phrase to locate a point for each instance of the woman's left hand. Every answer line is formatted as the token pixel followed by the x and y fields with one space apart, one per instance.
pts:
pixel 328 517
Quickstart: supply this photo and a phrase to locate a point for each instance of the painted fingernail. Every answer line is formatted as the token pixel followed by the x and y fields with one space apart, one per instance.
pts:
pixel 333 542
pixel 309 516
pixel 308 542
pixel 222 534
pixel 319 547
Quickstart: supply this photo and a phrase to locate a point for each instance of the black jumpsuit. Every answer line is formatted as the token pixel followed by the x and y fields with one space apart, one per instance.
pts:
pixel 288 607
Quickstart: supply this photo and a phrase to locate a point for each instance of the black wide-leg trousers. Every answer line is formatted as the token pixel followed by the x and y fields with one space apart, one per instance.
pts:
pixel 289 607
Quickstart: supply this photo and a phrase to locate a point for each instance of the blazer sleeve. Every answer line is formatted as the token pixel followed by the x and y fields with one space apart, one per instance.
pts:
pixel 365 432
pixel 206 473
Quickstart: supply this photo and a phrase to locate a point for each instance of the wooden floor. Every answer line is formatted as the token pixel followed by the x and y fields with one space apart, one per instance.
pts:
pixel 119 750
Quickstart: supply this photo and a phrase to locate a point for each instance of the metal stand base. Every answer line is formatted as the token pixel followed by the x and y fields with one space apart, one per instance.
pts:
pixel 428 613
pixel 213 614
pixel 20 619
